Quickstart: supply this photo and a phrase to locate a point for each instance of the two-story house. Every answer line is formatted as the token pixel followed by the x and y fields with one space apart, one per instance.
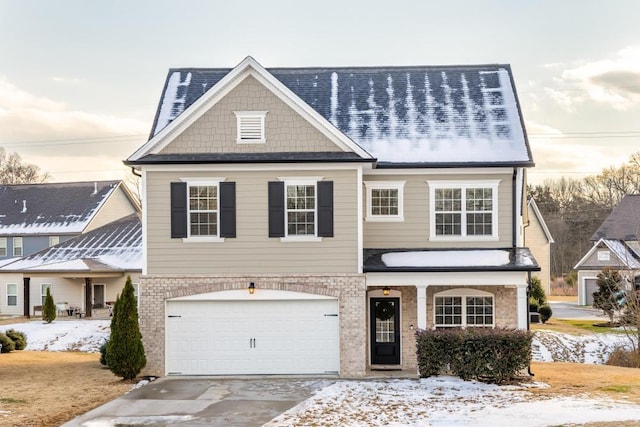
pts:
pixel 309 220
pixel 34 217
pixel 616 244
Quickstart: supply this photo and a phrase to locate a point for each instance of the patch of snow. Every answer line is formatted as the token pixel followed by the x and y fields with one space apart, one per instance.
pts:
pixel 138 421
pixel 549 346
pixel 64 335
pixel 446 258
pixel 445 401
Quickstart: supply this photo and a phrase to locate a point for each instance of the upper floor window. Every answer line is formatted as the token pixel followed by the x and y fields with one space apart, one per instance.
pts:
pixel 12 294
pixel 385 200
pixel 203 210
pixel 17 246
pixel 250 127
pixel 54 240
pixel 462 308
pixel 301 209
pixel 3 246
pixel 463 210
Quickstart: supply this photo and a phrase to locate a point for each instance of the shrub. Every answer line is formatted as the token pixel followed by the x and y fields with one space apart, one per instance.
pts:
pixel 19 338
pixel 609 287
pixel 545 313
pixel 495 355
pixel 103 353
pixel 7 344
pixel 537 292
pixel 125 352
pixel 624 358
pixel 533 305
pixel 572 278
pixel 49 309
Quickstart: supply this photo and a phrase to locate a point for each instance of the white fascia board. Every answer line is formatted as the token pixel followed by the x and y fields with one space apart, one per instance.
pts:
pixel 252 167
pixel 470 278
pixel 248 67
pixel 441 171
pixel 532 204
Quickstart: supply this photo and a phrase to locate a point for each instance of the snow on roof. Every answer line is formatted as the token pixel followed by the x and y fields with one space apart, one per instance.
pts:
pixel 431 115
pixel 51 208
pixel 623 252
pixel 114 246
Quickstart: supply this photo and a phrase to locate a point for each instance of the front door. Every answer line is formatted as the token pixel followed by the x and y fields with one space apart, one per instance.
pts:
pixel 98 296
pixel 385 331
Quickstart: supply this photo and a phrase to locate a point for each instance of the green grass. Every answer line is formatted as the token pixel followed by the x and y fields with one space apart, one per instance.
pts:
pixel 616 388
pixel 588 325
pixel 11 400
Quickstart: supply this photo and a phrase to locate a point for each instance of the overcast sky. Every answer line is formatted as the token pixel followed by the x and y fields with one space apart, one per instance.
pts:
pixel 80 80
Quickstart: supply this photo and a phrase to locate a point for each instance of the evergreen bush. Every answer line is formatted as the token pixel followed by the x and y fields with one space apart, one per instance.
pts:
pixel 19 338
pixel 537 292
pixel 545 312
pixel 606 298
pixel 533 305
pixel 103 353
pixel 124 351
pixel 494 355
pixel 49 309
pixel 7 344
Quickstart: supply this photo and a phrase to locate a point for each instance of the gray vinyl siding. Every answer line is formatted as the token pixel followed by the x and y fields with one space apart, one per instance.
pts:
pixel 413 232
pixel 216 132
pixel 593 263
pixel 252 251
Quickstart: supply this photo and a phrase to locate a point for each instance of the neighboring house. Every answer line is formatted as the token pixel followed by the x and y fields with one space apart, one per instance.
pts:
pixel 34 217
pixel 616 244
pixel 85 272
pixel 309 220
pixel 538 239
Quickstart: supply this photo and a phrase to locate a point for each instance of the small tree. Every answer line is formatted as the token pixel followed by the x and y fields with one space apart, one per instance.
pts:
pixel 606 298
pixel 537 292
pixel 49 309
pixel 125 353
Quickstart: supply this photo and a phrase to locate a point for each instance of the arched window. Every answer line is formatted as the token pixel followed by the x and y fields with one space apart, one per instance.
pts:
pixel 464 307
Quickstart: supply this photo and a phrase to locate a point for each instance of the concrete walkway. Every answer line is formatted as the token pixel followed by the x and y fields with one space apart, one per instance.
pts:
pixel 203 401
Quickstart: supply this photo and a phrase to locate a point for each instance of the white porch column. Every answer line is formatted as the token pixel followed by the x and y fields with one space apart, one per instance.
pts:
pixel 523 306
pixel 422 306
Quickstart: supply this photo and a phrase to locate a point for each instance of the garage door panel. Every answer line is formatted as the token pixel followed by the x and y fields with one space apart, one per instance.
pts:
pixel 252 337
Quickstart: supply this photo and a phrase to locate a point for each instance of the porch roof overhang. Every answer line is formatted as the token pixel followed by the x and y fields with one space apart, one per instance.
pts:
pixel 75 269
pixel 449 260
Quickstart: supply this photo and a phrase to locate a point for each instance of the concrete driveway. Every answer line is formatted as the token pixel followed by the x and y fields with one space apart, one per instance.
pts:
pixel 203 401
pixel 571 310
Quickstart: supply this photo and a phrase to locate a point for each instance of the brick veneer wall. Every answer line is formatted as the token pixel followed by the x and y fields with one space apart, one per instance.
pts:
pixel 350 289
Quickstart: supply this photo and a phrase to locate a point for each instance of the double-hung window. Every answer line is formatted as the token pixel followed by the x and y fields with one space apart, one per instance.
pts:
pixel 12 294
pixel 462 308
pixel 300 208
pixel 3 246
pixel 463 210
pixel 203 209
pixel 385 200
pixel 43 288
pixel 17 246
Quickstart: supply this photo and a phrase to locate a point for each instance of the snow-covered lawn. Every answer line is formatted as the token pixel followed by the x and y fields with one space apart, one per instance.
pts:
pixel 440 401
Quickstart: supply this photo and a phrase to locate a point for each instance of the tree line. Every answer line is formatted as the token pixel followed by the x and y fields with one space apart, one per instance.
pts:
pixel 574 208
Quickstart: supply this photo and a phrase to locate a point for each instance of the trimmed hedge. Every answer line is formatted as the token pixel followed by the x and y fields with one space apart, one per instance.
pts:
pixel 545 312
pixel 492 355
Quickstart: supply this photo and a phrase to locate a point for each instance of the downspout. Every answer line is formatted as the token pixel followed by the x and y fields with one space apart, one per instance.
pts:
pixel 133 171
pixel 514 205
pixel 528 316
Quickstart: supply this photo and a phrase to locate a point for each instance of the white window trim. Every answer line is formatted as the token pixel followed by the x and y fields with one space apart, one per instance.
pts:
pixel 3 246
pixel 307 180
pixel 463 185
pixel 43 291
pixel 21 246
pixel 200 182
pixel 464 293
pixel 250 114
pixel 12 294
pixel 385 185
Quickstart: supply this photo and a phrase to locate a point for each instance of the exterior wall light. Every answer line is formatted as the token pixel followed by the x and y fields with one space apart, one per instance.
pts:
pixel 252 288
pixel 386 290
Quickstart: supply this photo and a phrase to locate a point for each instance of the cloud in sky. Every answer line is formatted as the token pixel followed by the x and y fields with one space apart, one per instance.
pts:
pixel 613 81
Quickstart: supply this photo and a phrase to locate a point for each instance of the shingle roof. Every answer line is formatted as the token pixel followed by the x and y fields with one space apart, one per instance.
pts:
pixel 420 115
pixel 51 208
pixel 623 223
pixel 116 246
pixel 449 260
pixel 625 253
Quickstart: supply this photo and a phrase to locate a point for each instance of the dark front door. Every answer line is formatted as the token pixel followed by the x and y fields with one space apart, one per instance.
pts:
pixel 385 331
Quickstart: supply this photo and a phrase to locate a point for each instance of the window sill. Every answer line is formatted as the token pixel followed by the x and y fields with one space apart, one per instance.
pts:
pixel 384 219
pixel 300 239
pixel 251 141
pixel 464 238
pixel 203 240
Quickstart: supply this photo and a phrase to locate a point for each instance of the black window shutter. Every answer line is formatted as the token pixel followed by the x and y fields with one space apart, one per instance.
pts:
pixel 178 210
pixel 276 209
pixel 227 209
pixel 325 209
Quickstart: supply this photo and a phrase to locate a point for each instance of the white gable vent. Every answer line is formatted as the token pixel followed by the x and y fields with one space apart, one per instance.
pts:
pixel 250 127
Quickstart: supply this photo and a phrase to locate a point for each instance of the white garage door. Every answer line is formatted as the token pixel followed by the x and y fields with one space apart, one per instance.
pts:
pixel 230 337
pixel 590 285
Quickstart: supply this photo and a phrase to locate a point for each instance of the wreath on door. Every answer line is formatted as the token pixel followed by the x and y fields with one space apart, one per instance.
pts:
pixel 385 310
